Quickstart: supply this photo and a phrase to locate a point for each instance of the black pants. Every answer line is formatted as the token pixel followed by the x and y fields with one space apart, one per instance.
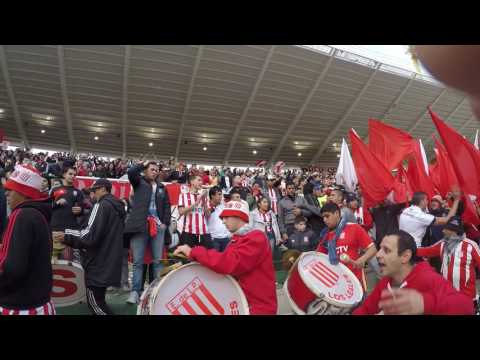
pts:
pixel 196 240
pixel 96 301
pixel 147 268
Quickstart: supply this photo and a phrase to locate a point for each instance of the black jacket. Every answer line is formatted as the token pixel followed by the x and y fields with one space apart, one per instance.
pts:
pixel 301 241
pixel 3 210
pixel 137 219
pixel 103 241
pixel 25 257
pixel 62 216
pixel 315 220
pixel 181 178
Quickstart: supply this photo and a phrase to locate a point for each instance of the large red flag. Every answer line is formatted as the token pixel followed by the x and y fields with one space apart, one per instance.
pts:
pixel 390 145
pixel 416 173
pixel 465 160
pixel 375 179
pixel 445 177
pixel 463 156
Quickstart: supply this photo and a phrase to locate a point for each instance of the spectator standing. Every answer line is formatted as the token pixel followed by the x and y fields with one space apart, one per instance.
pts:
pixel 147 222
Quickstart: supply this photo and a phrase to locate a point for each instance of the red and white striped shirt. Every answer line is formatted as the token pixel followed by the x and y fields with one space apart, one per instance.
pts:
pixel 272 194
pixel 267 219
pixel 363 218
pixel 459 270
pixel 194 222
pixel 47 309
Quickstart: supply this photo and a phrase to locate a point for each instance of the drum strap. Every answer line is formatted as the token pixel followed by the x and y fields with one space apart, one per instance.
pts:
pixel 331 245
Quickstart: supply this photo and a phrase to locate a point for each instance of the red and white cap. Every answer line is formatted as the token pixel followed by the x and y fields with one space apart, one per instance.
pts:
pixel 236 209
pixel 26 180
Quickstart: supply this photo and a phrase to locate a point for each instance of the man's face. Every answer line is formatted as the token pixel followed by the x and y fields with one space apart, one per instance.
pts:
pixel 217 198
pixel 424 203
pixel 99 193
pixel 448 233
pixel 44 184
pixel 151 172
pixel 69 176
pixel 236 180
pixel 353 204
pixel 232 223
pixel 235 197
pixel 389 261
pixel 331 219
pixel 335 197
pixel 318 193
pixel 291 190
pixel 434 205
pixel 14 198
pixel 301 226
pixel 196 182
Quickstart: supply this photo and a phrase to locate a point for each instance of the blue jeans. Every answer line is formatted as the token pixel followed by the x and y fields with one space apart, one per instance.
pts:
pixel 220 244
pixel 138 244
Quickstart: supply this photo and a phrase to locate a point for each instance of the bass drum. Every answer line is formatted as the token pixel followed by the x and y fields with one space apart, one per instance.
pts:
pixel 193 289
pixel 68 283
pixel 315 287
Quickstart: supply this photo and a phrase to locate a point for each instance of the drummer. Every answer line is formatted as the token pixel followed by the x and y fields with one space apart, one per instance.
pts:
pixel 343 242
pixel 247 257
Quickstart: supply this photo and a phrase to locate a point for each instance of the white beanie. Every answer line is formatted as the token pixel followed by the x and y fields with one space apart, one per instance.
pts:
pixel 237 209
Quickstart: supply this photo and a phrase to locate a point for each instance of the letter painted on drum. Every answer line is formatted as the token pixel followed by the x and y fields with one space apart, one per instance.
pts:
pixel 69 287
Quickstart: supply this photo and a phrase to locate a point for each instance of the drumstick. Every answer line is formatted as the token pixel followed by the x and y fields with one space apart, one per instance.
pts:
pixel 178 256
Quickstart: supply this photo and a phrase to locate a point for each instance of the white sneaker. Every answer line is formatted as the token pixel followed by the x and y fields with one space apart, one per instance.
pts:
pixel 133 298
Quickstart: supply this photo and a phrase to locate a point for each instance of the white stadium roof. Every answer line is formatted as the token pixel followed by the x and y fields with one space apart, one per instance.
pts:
pixel 280 100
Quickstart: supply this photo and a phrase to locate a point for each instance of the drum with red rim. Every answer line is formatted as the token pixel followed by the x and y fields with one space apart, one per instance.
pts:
pixel 315 287
pixel 193 289
pixel 68 283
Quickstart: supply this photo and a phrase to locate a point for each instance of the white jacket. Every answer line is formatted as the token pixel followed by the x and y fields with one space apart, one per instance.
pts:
pixel 256 222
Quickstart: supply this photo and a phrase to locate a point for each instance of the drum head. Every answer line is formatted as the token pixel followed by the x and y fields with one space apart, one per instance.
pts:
pixel 194 289
pixel 68 283
pixel 335 283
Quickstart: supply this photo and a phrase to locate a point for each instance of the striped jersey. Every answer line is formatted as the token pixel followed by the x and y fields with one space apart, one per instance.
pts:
pixel 459 268
pixel 47 309
pixel 272 194
pixel 267 220
pixel 194 222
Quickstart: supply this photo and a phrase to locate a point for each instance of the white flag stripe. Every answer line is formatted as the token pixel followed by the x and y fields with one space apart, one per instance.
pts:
pixel 424 156
pixel 476 140
pixel 346 174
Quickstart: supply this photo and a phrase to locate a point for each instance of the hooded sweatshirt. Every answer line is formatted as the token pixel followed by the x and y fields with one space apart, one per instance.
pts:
pixel 249 259
pixel 25 257
pixel 439 297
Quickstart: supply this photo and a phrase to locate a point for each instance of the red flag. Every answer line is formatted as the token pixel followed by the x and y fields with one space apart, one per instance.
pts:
pixel 390 145
pixel 402 188
pixel 465 161
pixel 375 179
pixel 444 176
pixel 463 155
pixel 416 173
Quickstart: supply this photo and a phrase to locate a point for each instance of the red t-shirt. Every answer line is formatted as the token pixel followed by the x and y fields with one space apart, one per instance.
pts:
pixel 351 241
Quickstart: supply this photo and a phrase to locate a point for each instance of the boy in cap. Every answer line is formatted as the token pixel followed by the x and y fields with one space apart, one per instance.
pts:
pixel 248 258
pixel 25 248
pixel 459 257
